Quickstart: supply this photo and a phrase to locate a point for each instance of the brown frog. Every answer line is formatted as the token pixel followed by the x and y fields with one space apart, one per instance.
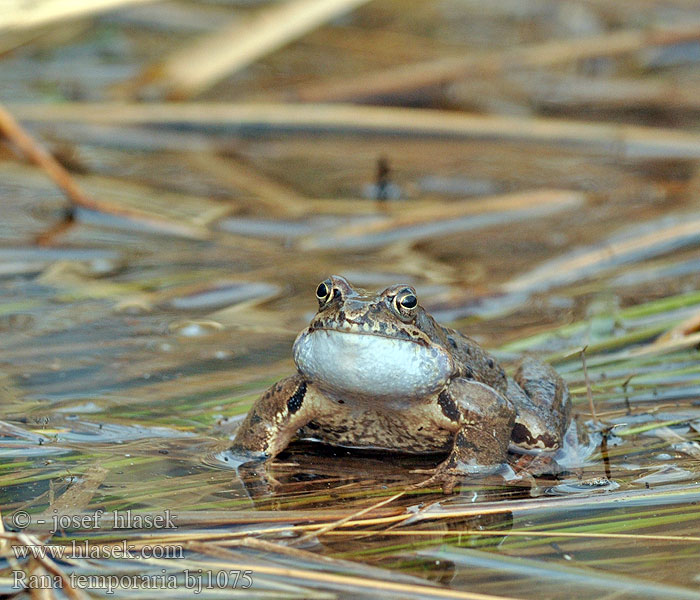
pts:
pixel 377 371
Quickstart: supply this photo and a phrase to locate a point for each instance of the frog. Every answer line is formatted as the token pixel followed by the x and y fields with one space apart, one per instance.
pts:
pixel 374 370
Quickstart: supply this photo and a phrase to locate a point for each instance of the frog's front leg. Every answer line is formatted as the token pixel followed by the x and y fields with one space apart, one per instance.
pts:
pixel 275 418
pixel 483 420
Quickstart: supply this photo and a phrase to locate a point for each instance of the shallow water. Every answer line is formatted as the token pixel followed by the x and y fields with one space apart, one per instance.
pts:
pixel 136 340
pixel 129 383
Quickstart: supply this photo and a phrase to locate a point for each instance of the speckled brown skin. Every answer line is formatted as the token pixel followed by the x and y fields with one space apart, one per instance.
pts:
pixel 355 310
pixel 544 405
pixel 473 417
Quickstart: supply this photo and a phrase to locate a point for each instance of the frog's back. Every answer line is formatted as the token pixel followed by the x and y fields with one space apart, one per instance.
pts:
pixel 475 362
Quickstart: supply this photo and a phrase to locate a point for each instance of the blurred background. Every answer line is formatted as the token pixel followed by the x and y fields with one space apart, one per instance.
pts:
pixel 530 166
pixel 524 164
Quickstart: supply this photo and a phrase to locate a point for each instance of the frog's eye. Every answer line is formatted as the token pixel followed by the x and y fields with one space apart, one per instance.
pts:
pixel 323 291
pixel 405 302
pixel 408 301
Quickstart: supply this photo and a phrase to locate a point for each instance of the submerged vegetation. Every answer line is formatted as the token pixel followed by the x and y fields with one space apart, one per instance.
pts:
pixel 176 177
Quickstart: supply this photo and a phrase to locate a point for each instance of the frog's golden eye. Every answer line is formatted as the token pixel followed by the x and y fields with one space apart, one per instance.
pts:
pixel 408 301
pixel 323 291
pixel 405 302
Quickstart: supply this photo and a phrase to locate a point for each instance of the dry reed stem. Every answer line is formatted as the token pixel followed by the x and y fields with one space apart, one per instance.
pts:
pixel 314 557
pixel 600 93
pixel 507 533
pixel 19 14
pixel 319 577
pixel 30 148
pixel 583 265
pixel 244 538
pixel 16 134
pixel 589 393
pixel 52 567
pixel 619 140
pixel 12 40
pixel 350 517
pixel 3 542
pixel 678 494
pixel 196 68
pixel 409 78
pixel 494 507
pixel 47 237
pixel 685 328
pixel 665 346
pixel 270 195
pixel 402 217
pixel 35 570
pixel 135 202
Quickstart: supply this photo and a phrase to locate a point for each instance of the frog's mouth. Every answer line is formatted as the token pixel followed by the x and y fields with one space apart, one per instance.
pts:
pixel 368 364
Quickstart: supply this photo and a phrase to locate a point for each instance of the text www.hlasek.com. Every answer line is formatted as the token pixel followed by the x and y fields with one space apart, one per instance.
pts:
pixel 78 549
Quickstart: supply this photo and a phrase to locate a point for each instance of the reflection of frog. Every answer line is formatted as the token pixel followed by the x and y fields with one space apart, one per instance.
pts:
pixel 376 371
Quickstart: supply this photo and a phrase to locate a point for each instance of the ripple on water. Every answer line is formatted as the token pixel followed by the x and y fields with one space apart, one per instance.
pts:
pixel 224 460
pixel 665 474
pixel 587 486
pixel 21 449
pixel 79 431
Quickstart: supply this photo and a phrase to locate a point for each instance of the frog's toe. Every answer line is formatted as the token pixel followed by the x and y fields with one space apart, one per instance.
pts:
pixel 446 479
pixel 257 480
pixel 447 476
pixel 242 454
pixel 536 464
pixel 449 473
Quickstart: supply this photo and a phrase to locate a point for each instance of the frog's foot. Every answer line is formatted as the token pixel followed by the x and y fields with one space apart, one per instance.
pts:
pixel 482 420
pixel 252 468
pixel 257 479
pixel 536 464
pixel 445 478
pixel 450 472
